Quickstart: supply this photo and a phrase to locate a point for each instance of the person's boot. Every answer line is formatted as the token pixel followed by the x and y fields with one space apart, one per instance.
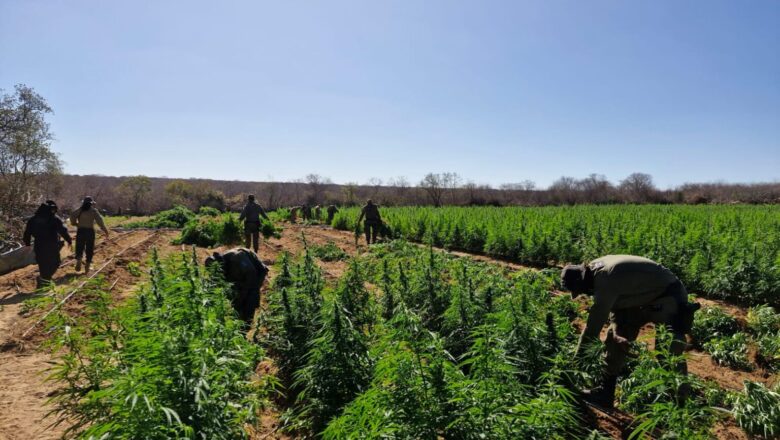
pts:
pixel 78 265
pixel 604 394
pixel 86 268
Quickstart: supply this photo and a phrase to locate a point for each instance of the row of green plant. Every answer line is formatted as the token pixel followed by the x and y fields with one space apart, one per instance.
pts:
pixel 172 362
pixel 728 252
pixel 723 337
pixel 442 347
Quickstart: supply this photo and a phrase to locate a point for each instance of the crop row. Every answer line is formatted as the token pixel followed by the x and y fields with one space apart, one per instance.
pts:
pixel 730 252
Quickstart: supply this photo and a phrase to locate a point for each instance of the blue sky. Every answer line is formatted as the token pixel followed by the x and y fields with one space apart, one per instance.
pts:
pixel 497 91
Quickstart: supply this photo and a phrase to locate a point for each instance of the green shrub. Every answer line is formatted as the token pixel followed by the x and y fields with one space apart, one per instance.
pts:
pixel 757 410
pixel 208 211
pixel 172 218
pixel 711 323
pixel 329 252
pixel 763 320
pixel 731 351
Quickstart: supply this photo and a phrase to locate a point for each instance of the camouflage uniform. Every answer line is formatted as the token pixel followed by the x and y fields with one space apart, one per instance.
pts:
pixel 373 221
pixel 306 212
pixel 251 215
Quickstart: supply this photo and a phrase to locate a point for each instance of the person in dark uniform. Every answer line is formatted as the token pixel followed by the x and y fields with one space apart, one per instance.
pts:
pixel 46 228
pixel 306 212
pixel 332 210
pixel 246 273
pixel 631 291
pixel 373 221
pixel 251 215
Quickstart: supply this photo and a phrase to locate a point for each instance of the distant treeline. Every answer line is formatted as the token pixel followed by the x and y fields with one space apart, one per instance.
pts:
pixel 143 195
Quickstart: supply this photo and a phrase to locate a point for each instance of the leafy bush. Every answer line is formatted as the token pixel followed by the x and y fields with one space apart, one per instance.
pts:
pixel 208 211
pixel 171 363
pixel 212 231
pixel 730 351
pixel 769 351
pixel 173 218
pixel 329 252
pixel 712 322
pixel 757 410
pixel 762 320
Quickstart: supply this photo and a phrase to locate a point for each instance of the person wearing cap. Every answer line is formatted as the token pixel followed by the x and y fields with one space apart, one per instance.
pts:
pixel 46 228
pixel 84 219
pixel 246 273
pixel 332 210
pixel 630 291
pixel 373 221
pixel 251 215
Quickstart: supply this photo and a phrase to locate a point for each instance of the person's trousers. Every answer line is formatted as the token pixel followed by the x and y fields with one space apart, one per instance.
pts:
pixel 252 235
pixel 627 323
pixel 371 228
pixel 48 262
pixel 85 243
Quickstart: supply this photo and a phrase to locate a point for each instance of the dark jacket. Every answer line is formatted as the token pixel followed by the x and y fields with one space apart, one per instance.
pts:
pixel 45 227
pixel 252 213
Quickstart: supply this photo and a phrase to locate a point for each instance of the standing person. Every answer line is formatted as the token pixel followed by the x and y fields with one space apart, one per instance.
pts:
pixel 84 220
pixel 373 221
pixel 332 210
pixel 251 215
pixel 306 212
pixel 246 273
pixel 318 212
pixel 632 291
pixel 45 227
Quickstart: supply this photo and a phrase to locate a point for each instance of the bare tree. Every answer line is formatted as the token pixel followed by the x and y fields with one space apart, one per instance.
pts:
pixel 433 186
pixel 638 188
pixel 375 183
pixel 596 189
pixel 349 191
pixel 564 190
pixel 317 185
pixel 26 160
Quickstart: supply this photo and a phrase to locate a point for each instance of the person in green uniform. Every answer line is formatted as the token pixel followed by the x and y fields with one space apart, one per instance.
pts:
pixel 251 216
pixel 630 291
pixel 373 221
pixel 332 210
pixel 84 219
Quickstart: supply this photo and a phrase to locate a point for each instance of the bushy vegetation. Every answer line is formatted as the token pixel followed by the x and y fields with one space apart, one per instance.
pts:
pixel 170 363
pixel 728 252
pixel 757 410
pixel 175 218
pixel 210 229
pixel 447 348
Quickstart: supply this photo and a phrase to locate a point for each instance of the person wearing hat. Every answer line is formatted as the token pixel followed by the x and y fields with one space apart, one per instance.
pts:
pixel 630 291
pixel 84 219
pixel 46 228
pixel 373 221
pixel 246 273
pixel 251 215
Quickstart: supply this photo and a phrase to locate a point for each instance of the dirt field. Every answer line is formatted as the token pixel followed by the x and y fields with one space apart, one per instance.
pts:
pixel 24 359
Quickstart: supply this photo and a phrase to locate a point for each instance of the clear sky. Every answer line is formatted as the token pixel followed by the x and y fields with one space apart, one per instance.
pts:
pixel 497 91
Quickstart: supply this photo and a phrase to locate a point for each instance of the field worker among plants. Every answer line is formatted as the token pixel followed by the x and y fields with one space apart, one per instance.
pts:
pixel 45 227
pixel 632 291
pixel 332 210
pixel 373 221
pixel 318 212
pixel 294 213
pixel 251 216
pixel 84 220
pixel 306 212
pixel 246 273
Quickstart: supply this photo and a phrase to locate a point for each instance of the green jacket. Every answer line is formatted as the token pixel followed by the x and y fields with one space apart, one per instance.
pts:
pixel 622 282
pixel 252 213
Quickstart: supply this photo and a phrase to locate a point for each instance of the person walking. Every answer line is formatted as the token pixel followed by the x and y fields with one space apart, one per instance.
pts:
pixel 631 291
pixel 373 221
pixel 84 219
pixel 251 215
pixel 45 228
pixel 246 273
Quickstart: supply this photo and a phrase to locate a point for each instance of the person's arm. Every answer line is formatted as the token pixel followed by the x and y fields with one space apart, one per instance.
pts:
pixel 27 238
pixel 262 212
pixel 100 222
pixel 362 213
pixel 597 317
pixel 243 214
pixel 63 231
pixel 74 217
pixel 378 215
